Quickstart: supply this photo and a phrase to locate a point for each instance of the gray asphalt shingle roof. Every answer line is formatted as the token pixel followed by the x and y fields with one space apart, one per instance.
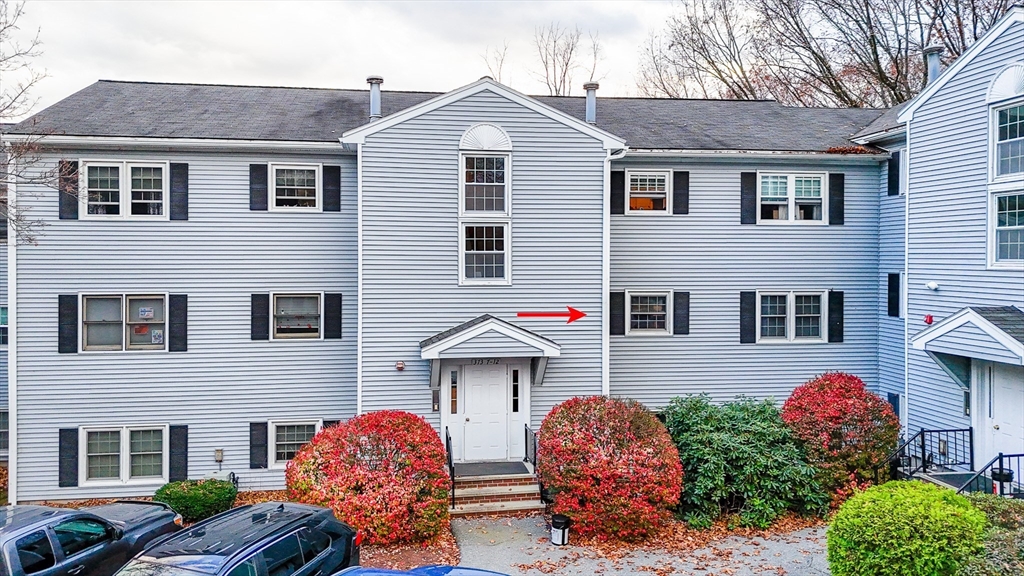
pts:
pixel 143 109
pixel 887 122
pixel 1009 319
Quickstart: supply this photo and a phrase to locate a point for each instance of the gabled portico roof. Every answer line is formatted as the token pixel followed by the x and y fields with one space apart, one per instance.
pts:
pixel 993 333
pixel 487 337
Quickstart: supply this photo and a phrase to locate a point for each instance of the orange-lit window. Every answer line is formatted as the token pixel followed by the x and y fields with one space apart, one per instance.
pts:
pixel 648 192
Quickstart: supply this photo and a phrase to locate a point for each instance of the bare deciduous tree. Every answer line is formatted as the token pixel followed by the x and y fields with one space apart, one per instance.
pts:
pixel 558 52
pixel 20 163
pixel 809 52
pixel 495 61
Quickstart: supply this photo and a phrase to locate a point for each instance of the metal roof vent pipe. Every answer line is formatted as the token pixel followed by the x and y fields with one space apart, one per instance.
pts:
pixel 374 82
pixel 591 88
pixel 933 56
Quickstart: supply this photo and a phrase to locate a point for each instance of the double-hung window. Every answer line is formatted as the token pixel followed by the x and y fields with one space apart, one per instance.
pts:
pixel 792 198
pixel 484 223
pixel 295 187
pixel 649 192
pixel 289 438
pixel 124 454
pixel 791 316
pixel 133 190
pixel 3 325
pixel 1006 209
pixel 5 431
pixel 1009 228
pixel 1009 141
pixel 297 316
pixel 123 322
pixel 648 313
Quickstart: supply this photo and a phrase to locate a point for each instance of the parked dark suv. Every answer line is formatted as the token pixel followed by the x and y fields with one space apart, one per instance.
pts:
pixel 42 541
pixel 272 539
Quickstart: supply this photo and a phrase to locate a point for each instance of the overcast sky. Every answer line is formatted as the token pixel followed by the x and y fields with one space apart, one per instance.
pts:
pixel 435 46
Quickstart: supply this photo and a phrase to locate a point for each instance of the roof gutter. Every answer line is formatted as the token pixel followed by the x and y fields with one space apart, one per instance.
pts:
pixel 759 154
pixel 174 143
pixel 882 135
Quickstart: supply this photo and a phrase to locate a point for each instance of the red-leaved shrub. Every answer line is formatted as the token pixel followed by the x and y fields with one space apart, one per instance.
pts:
pixel 610 466
pixel 383 472
pixel 846 430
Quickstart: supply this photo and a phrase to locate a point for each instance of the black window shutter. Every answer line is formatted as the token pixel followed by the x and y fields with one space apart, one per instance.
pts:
pixel 179 454
pixel 257 445
pixel 894 294
pixel 836 199
pixel 260 327
pixel 67 184
pixel 257 186
pixel 332 316
pixel 680 192
pixel 618 192
pixel 67 459
pixel 894 174
pixel 894 401
pixel 617 313
pixel 680 313
pixel 332 188
pixel 748 198
pixel 67 324
pixel 748 317
pixel 835 316
pixel 177 323
pixel 179 191
pixel 330 423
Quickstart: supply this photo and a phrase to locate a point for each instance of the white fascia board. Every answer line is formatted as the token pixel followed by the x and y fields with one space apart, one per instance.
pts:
pixel 1014 16
pixel 358 135
pixel 883 135
pixel 967 316
pixel 548 349
pixel 183 143
pixel 759 154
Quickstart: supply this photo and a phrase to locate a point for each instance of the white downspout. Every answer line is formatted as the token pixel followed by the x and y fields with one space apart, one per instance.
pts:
pixel 906 290
pixel 606 256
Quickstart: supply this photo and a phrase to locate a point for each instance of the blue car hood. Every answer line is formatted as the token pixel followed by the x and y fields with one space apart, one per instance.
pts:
pixel 422 571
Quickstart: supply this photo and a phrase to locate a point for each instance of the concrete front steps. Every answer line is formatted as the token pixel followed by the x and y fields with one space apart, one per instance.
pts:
pixel 496 495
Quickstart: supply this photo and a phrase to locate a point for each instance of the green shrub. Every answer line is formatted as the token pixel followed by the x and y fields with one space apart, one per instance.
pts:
pixel 1004 541
pixel 904 529
pixel 740 458
pixel 197 500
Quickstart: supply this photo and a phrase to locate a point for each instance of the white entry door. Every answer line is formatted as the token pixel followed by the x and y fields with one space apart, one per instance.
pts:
pixel 1007 409
pixel 486 426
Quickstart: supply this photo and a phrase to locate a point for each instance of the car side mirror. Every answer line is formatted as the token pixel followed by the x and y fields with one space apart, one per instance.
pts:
pixel 118 533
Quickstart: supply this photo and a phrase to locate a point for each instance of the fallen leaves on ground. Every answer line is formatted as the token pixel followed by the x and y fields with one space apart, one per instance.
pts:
pixel 442 550
pixel 260 496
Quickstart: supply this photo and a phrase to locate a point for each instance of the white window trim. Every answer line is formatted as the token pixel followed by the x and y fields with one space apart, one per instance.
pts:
pixel 993 144
pixel 668 192
pixel 993 215
pixel 124 189
pixel 125 456
pixel 507 280
pixel 272 438
pixel 791 198
pixel 483 215
pixel 273 321
pixel 272 187
pixel 5 453
pixel 668 313
pixel 7 325
pixel 791 317
pixel 124 322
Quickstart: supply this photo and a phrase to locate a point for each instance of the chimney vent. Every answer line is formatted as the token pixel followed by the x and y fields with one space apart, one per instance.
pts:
pixel 591 88
pixel 374 82
pixel 933 55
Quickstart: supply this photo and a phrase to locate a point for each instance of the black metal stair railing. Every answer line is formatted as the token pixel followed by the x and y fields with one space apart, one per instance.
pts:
pixel 1002 475
pixel 451 463
pixel 531 457
pixel 939 450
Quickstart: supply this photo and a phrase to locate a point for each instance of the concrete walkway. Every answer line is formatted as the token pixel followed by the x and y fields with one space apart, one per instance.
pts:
pixel 520 546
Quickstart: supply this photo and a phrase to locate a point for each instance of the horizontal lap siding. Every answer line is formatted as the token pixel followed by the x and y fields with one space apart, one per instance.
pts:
pixel 891 255
pixel 971 337
pixel 712 256
pixel 410 248
pixel 219 257
pixel 948 222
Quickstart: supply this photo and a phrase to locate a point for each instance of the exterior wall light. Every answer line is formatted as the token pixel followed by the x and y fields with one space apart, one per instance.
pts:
pixel 399 365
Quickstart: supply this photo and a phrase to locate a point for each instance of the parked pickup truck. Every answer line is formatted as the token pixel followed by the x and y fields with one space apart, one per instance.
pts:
pixel 43 541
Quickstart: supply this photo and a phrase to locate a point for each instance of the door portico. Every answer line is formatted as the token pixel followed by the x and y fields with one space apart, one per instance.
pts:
pixel 482 373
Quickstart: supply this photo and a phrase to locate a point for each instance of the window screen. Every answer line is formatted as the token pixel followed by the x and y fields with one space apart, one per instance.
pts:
pixel 102 323
pixel 297 316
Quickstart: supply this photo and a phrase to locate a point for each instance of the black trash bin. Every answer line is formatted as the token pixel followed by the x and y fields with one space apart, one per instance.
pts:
pixel 560 529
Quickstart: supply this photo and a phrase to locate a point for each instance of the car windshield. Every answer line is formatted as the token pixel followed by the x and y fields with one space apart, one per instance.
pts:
pixel 143 568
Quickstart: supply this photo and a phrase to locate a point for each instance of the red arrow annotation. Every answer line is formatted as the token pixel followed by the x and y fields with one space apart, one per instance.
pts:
pixel 572 315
